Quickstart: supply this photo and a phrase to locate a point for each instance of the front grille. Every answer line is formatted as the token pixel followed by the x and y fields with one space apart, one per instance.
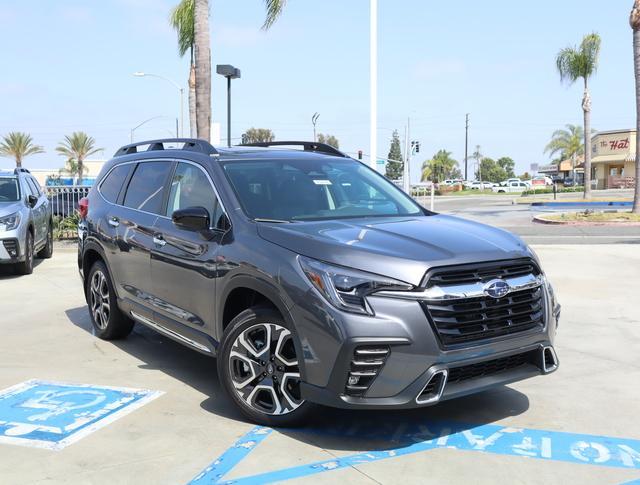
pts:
pixel 490 367
pixel 365 366
pixel 472 319
pixel 11 246
pixel 481 273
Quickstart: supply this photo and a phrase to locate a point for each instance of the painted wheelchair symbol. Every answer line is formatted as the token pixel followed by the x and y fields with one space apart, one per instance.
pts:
pixel 57 403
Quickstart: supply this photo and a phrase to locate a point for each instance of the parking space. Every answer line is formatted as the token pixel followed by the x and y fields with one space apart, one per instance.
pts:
pixel 578 425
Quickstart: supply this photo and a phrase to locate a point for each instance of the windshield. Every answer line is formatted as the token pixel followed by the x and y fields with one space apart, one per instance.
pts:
pixel 295 190
pixel 9 191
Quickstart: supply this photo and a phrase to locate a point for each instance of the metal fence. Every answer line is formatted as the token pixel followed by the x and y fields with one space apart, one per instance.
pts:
pixel 64 200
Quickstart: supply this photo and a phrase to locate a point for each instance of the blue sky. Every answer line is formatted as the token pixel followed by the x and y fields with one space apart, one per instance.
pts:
pixel 67 65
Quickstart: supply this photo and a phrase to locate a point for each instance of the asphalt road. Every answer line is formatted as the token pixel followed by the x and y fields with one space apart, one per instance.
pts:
pixel 504 212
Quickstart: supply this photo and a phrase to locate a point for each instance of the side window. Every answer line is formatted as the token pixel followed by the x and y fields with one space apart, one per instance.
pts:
pixel 190 187
pixel 111 185
pixel 31 187
pixel 146 186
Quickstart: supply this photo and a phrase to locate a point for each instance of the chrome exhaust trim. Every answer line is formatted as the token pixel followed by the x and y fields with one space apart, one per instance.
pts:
pixel 549 353
pixel 437 394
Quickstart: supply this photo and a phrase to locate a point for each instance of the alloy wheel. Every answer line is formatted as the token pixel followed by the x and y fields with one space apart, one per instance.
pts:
pixel 264 369
pixel 99 299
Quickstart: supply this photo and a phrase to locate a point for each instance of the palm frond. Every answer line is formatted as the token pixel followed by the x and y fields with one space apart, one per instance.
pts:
pixel 274 10
pixel 182 20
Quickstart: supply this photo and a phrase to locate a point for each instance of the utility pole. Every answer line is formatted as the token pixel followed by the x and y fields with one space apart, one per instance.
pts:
pixel 406 185
pixel 466 145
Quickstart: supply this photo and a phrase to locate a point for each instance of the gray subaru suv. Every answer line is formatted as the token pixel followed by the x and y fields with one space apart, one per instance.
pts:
pixel 310 278
pixel 26 228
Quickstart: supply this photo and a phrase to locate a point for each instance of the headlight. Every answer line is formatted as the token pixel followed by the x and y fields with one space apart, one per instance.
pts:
pixel 346 288
pixel 10 222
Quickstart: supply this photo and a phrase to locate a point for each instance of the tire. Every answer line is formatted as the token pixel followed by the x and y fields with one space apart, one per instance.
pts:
pixel 26 266
pixel 109 322
pixel 263 381
pixel 47 251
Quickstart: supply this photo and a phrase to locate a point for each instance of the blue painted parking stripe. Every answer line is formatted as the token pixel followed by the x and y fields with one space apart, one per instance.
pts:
pixel 541 444
pixel 231 457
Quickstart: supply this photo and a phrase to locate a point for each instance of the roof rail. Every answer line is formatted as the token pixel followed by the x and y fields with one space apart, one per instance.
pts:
pixel 191 144
pixel 309 146
pixel 18 170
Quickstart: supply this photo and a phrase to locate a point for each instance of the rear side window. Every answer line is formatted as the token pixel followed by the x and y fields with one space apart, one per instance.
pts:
pixel 146 186
pixel 111 185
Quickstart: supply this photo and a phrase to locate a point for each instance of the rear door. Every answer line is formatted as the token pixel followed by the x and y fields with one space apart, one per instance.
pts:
pixel 183 262
pixel 39 211
pixel 132 223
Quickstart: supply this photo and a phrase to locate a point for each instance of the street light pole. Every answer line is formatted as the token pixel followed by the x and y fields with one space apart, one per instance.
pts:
pixel 177 86
pixel 230 73
pixel 373 83
pixel 139 125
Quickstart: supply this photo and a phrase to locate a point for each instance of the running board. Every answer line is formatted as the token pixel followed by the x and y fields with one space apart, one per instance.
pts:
pixel 169 333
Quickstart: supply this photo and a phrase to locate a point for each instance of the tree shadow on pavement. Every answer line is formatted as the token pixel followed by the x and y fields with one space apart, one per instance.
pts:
pixel 336 429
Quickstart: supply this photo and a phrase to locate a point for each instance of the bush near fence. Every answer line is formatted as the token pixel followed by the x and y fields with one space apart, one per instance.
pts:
pixel 549 190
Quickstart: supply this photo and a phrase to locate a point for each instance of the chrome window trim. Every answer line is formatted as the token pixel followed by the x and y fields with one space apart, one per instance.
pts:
pixel 168 160
pixel 459 292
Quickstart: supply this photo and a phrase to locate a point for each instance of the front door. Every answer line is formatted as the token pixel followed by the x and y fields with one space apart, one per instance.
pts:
pixel 183 262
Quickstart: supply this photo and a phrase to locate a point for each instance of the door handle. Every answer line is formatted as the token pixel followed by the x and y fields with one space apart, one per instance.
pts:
pixel 158 240
pixel 114 222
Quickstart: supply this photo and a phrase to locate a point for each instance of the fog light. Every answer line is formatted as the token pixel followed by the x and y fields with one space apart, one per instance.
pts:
pixel 353 380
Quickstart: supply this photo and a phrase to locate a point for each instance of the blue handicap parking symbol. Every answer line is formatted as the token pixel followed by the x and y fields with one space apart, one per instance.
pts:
pixel 53 414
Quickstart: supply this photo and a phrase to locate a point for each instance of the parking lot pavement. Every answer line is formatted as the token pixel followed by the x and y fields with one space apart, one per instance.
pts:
pixel 578 425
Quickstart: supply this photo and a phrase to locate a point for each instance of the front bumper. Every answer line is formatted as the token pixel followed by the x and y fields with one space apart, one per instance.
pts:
pixel 10 248
pixel 415 355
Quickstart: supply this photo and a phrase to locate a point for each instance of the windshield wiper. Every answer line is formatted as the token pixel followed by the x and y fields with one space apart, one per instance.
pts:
pixel 277 221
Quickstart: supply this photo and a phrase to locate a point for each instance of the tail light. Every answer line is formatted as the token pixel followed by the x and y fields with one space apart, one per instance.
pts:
pixel 83 207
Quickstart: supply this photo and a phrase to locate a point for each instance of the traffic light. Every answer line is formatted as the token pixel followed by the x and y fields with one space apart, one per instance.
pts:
pixel 359 154
pixel 415 146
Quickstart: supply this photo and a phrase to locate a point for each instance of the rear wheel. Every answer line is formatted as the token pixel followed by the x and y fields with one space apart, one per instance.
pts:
pixel 260 369
pixel 26 266
pixel 47 251
pixel 109 322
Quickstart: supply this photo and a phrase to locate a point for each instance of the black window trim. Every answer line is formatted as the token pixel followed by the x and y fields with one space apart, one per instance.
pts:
pixel 165 194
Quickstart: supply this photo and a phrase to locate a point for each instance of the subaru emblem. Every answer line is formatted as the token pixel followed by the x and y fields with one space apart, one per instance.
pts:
pixel 497 288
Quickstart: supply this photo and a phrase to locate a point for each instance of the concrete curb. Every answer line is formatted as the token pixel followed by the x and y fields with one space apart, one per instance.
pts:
pixel 542 220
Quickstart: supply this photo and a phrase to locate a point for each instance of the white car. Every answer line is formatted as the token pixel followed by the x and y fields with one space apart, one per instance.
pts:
pixel 542 180
pixel 477 185
pixel 511 187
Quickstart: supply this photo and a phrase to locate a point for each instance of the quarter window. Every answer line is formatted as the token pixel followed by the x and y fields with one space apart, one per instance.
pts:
pixel 190 187
pixel 146 186
pixel 32 186
pixel 110 187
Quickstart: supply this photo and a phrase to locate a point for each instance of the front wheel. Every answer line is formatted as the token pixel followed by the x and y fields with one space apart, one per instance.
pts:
pixel 260 369
pixel 47 251
pixel 26 266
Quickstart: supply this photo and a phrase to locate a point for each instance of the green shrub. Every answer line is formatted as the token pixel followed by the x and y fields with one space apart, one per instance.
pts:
pixel 549 190
pixel 66 228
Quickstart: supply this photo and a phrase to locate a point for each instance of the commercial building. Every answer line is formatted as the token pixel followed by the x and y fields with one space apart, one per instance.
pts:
pixel 613 159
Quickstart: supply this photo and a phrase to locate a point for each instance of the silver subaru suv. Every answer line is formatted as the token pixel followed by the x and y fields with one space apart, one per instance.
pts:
pixel 26 226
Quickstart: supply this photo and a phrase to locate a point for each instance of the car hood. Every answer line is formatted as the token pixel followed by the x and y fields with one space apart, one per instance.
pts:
pixel 402 248
pixel 7 208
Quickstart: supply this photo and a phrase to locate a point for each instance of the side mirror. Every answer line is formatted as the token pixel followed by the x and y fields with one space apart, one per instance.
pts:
pixel 192 218
pixel 32 200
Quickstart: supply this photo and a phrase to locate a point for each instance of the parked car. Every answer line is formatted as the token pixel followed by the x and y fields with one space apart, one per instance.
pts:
pixel 477 185
pixel 26 228
pixel 310 277
pixel 568 182
pixel 511 187
pixel 541 180
pixel 65 202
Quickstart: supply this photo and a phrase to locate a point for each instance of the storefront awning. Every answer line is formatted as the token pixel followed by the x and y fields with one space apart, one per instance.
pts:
pixel 608 159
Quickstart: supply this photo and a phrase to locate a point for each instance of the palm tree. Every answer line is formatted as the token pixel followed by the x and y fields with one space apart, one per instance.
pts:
pixel 478 156
pixel 574 63
pixel 634 20
pixel 568 143
pixel 439 168
pixel 181 20
pixel 202 58
pixel 76 147
pixel 18 145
